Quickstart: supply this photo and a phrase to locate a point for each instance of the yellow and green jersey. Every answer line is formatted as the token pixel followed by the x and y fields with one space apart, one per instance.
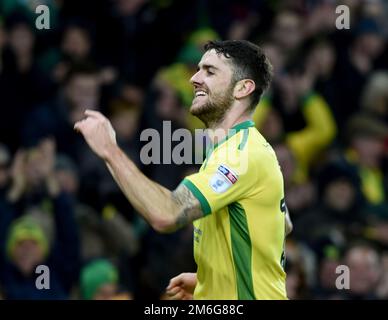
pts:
pixel 239 243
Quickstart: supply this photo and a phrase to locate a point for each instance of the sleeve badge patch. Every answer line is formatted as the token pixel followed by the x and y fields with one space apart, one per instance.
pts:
pixel 223 179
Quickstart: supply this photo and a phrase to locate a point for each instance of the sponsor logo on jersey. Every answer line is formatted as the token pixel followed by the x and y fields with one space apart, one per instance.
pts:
pixel 228 173
pixel 223 179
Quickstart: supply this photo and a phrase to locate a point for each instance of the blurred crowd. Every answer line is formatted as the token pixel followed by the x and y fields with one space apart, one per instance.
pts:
pixel 326 114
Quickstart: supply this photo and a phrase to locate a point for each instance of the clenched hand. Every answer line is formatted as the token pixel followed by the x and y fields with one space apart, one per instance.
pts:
pixel 98 133
pixel 182 287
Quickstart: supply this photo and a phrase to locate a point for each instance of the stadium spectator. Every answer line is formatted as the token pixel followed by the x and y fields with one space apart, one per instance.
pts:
pixel 365 136
pixel 75 48
pixel 101 234
pixel 363 262
pixel 23 84
pixel 328 252
pixel 339 209
pixel 354 66
pixel 374 98
pixel 80 90
pixel 301 193
pixel 26 244
pixel 307 121
pixel 100 280
pixel 287 32
pixel 300 267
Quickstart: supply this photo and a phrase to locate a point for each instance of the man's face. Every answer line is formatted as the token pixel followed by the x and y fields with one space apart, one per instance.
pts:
pixel 369 149
pixel 83 92
pixel 167 105
pixel 68 180
pixel 364 269
pixel 125 123
pixel 27 255
pixel 372 44
pixel 106 292
pixel 287 30
pixel 340 195
pixel 76 43
pixel 21 39
pixel 213 86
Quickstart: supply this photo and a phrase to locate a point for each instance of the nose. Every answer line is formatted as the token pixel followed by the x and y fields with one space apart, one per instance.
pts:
pixel 196 78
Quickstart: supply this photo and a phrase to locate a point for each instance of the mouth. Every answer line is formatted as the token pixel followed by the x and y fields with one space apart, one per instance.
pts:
pixel 200 93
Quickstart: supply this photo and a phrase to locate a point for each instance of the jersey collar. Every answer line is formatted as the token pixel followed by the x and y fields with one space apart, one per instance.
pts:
pixel 235 129
pixel 244 125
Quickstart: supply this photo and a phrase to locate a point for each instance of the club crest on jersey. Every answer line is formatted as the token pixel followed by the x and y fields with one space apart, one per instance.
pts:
pixel 223 179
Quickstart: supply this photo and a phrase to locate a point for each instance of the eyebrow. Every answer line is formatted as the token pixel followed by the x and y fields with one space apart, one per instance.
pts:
pixel 207 66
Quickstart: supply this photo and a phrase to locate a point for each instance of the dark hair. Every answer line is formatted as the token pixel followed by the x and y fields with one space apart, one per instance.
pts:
pixel 84 25
pixel 249 62
pixel 81 68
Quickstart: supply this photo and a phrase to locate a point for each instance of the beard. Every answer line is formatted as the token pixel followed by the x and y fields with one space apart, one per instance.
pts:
pixel 213 110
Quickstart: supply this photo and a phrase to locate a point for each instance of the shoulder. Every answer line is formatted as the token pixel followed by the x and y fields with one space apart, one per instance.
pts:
pixel 239 154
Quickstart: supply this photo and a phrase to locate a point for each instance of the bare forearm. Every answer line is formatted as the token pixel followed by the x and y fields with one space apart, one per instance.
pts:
pixel 150 199
pixel 163 209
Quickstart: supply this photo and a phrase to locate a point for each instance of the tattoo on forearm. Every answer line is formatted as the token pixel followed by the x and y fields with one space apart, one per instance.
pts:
pixel 191 208
pixel 183 219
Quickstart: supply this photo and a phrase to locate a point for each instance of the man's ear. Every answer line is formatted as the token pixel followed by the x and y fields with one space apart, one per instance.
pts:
pixel 244 88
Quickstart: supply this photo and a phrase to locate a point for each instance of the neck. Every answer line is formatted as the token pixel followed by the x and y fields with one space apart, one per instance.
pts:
pixel 218 130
